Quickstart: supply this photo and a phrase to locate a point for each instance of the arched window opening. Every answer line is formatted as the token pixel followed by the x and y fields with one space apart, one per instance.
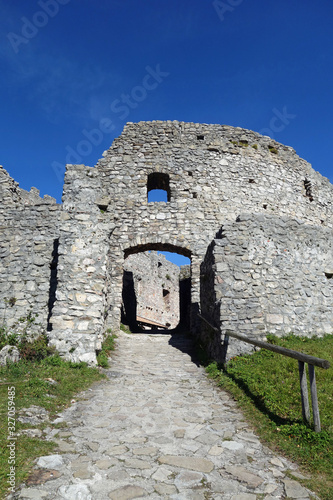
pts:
pixel 158 187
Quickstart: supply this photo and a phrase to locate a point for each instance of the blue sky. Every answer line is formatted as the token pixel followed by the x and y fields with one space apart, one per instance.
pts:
pixel 73 72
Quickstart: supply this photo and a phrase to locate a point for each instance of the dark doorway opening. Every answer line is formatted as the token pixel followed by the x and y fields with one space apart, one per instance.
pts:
pixel 156 295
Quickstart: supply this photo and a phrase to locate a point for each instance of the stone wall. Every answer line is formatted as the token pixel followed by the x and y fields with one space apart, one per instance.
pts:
pixel 214 173
pixel 28 254
pixel 267 274
pixel 78 315
pixel 156 286
pixel 66 261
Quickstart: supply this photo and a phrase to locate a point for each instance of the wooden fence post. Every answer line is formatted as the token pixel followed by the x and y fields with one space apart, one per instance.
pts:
pixel 314 398
pixel 304 392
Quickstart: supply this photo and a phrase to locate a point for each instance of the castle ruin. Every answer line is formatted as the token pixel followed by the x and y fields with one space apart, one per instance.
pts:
pixel 254 218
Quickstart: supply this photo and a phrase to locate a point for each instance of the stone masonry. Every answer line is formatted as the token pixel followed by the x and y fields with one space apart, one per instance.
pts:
pixel 156 287
pixel 254 218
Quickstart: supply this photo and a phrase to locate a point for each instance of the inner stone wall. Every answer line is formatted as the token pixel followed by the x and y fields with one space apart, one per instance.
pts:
pixel 156 287
pixel 267 274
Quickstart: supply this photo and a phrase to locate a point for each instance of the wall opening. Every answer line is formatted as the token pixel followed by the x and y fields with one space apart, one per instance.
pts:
pixel 308 189
pixel 156 293
pixel 158 187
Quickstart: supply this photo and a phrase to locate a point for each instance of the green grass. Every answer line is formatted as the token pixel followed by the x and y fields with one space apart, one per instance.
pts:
pixel 266 386
pixel 107 347
pixel 32 388
pixel 124 328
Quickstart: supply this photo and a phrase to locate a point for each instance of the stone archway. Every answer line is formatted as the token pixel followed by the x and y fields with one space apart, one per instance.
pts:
pixel 156 293
pixel 114 294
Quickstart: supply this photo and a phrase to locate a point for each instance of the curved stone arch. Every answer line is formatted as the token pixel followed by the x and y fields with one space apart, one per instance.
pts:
pixel 142 245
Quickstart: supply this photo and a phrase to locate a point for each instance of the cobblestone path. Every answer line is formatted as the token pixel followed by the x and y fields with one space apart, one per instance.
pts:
pixel 158 428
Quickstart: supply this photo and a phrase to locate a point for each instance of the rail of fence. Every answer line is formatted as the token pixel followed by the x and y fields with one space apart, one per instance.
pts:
pixel 311 361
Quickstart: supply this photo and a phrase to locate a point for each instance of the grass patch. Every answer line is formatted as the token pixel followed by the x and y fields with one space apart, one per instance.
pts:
pixel 124 328
pixel 266 386
pixel 108 346
pixel 31 380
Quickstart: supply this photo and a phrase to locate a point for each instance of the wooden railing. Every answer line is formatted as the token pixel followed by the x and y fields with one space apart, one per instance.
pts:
pixel 302 359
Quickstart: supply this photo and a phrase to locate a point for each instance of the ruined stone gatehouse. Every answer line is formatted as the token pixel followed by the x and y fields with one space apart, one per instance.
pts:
pixel 254 218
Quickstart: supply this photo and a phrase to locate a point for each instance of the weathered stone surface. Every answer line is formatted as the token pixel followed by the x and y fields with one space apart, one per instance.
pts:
pixel 82 471
pixel 33 493
pixel 165 489
pixel 75 492
pixel 127 493
pixel 189 479
pixel 191 463
pixel 51 462
pixel 64 446
pixel 104 464
pixel 294 489
pixel 145 451
pixel 232 445
pixel 276 461
pixel 215 451
pixel 33 415
pixel 9 354
pixel 244 496
pixel 242 474
pixel 135 463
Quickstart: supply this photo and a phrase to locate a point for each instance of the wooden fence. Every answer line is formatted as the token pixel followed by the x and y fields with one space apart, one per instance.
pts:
pixel 302 359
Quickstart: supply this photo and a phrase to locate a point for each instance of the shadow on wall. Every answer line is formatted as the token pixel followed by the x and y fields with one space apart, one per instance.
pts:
pixel 210 308
pixel 53 282
pixel 129 305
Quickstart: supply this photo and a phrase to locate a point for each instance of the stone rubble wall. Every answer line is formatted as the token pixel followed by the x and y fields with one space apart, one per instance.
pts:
pixel 215 172
pixel 156 284
pixel 79 312
pixel 267 274
pixel 212 173
pixel 28 245
pixel 11 194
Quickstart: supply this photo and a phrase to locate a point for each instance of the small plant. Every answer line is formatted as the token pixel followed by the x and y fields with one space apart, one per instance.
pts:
pixel 273 150
pixel 168 277
pixel 11 301
pixel 36 350
pixel 107 347
pixel 255 146
pixel 124 328
pixel 8 338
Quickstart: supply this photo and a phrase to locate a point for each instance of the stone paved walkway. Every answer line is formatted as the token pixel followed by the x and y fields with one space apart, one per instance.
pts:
pixel 158 428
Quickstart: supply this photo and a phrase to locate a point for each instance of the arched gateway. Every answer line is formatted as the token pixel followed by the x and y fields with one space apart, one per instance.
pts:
pixel 242 265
